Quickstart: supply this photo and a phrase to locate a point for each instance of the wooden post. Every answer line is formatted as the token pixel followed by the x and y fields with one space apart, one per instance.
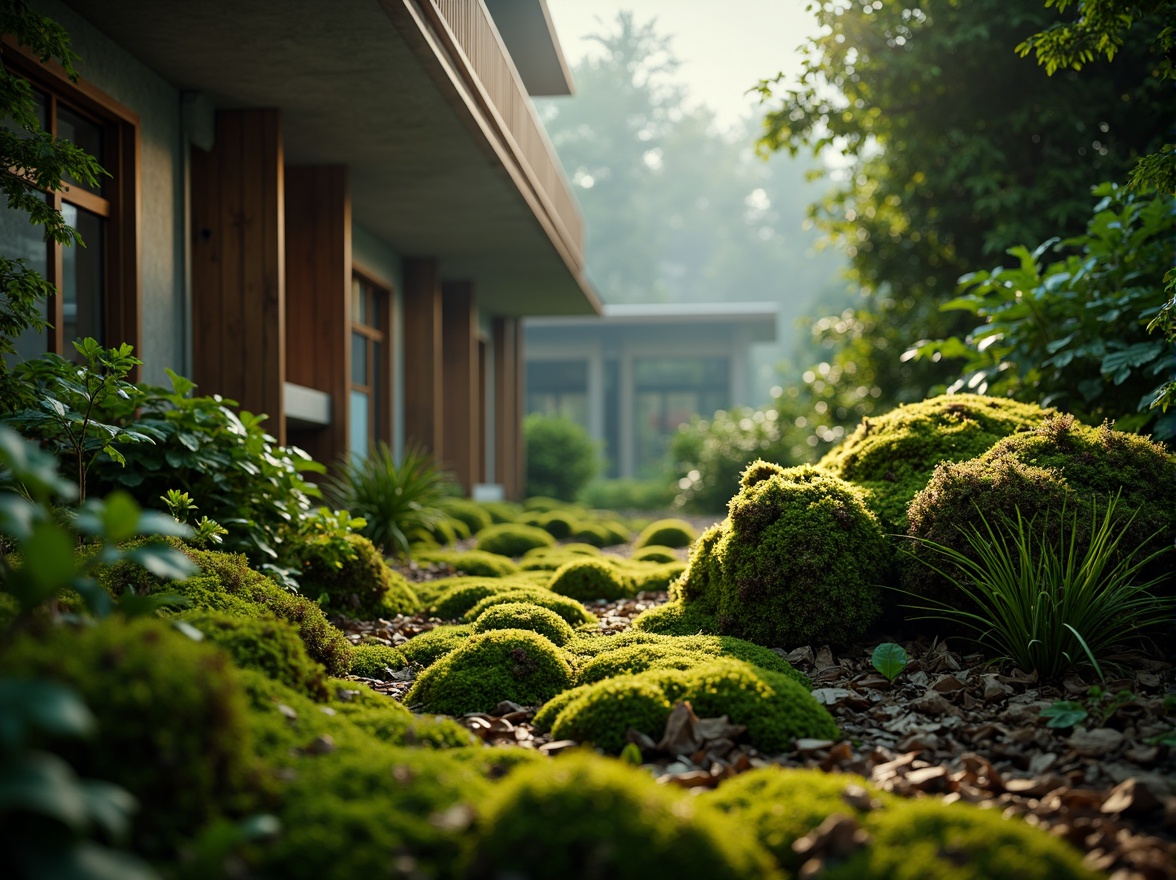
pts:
pixel 509 466
pixel 460 375
pixel 424 401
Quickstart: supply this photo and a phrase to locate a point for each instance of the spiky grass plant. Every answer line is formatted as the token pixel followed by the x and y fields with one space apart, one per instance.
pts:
pixel 400 501
pixel 1049 604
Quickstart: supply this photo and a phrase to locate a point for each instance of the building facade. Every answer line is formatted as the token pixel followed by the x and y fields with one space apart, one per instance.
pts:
pixel 336 214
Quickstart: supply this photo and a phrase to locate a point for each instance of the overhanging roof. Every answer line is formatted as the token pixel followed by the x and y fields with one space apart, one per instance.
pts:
pixel 360 85
pixel 526 28
pixel 756 319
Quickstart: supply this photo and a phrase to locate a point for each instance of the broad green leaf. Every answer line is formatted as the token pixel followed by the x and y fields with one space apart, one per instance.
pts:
pixel 890 659
pixel 120 516
pixel 49 557
pixel 1064 713
pixel 30 703
pixel 38 782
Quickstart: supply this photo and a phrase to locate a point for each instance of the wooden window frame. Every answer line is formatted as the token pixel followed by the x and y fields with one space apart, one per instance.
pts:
pixel 120 207
pixel 383 334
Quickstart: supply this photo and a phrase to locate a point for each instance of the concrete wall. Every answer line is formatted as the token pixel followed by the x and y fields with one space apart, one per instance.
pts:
pixel 161 185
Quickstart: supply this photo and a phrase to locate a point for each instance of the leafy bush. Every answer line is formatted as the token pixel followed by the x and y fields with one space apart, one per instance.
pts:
pixel 561 458
pixel 893 455
pixel 512 539
pixel 590 578
pixel 505 664
pixel 400 502
pixel 1074 332
pixel 584 817
pixel 667 533
pixel 1050 604
pixel 363 586
pixel 524 615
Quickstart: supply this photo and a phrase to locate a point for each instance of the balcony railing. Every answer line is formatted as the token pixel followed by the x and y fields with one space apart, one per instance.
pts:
pixel 471 29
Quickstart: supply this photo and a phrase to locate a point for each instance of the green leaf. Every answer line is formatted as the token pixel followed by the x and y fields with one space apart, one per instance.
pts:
pixel 120 516
pixel 890 659
pixel 163 562
pixel 1064 713
pixel 29 703
pixel 631 754
pixel 38 782
pixel 49 557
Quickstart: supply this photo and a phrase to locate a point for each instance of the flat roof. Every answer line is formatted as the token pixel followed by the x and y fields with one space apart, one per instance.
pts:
pixel 758 317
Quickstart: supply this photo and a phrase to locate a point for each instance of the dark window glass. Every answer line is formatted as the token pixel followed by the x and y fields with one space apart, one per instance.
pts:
pixel 82 278
pixel 85 134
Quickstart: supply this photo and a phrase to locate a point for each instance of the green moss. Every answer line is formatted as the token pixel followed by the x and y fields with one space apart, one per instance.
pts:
pixel 267 644
pixel 590 578
pixel 894 455
pixel 569 610
pixel 595 535
pixel 926 838
pixel 474 515
pixel 363 587
pixel 675 618
pixel 796 562
pixel 551 558
pixel 524 615
pixel 544 504
pixel 603 714
pixel 497 763
pixel 476 563
pixel 667 533
pixel 584 817
pixel 376 661
pixel 559 524
pixel 425 649
pixel 502 511
pixel 585 647
pixel 171 720
pixel 781 806
pixel 508 664
pixel 653 577
pixel 513 539
pixel 773 706
pixel 654 553
pixel 458 600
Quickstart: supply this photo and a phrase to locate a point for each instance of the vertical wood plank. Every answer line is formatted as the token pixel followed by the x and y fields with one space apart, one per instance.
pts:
pixel 424 399
pixel 460 377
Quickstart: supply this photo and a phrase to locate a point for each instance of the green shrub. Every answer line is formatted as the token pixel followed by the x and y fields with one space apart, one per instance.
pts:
pixel 568 610
pixel 363 587
pixel 781 806
pixel 508 664
pixel 561 458
pixel 675 618
pixel 476 563
pixel 513 539
pixel 226 583
pixel 559 524
pixel 629 495
pixel 376 661
pixel 667 533
pixel 590 578
pixel 428 647
pixel 524 615
pixel 473 514
pixel 795 563
pixel 171 719
pixel 585 817
pixel 267 644
pixel 654 553
pixel 399 501
pixel 773 706
pixel 894 455
pixel 926 838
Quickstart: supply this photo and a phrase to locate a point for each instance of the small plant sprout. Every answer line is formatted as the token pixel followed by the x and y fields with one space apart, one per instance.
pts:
pixel 1064 713
pixel 890 659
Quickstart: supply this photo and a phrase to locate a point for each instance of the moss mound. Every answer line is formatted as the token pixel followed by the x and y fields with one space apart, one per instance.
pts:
pixel 506 664
pixel 475 563
pixel 362 587
pixel 474 515
pixel 513 539
pixel 267 644
pixel 226 583
pixel 376 661
pixel 590 578
pixel 171 719
pixel 543 504
pixel 654 553
pixel 585 817
pixel 894 455
pixel 667 533
pixel 559 523
pixel 926 838
pixel 774 707
pixel 524 615
pixel 428 647
pixel 781 806
pixel 1061 464
pixel 569 610
pixel 551 558
pixel 653 577
pixel 795 562
pixel 676 618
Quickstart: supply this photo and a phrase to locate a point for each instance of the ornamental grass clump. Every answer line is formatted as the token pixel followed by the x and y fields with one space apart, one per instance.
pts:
pixel 1047 598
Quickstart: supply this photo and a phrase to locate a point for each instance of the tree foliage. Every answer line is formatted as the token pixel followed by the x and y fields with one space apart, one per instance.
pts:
pixel 955 149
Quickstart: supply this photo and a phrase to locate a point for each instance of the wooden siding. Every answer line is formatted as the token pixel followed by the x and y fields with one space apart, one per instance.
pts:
pixel 238 264
pixel 423 392
pixel 508 406
pixel 318 297
pixel 463 450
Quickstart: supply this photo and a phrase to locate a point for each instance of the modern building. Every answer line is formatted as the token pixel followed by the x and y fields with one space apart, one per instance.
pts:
pixel 336 213
pixel 636 373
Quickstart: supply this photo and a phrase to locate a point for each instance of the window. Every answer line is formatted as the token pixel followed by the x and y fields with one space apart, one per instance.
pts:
pixel 98 285
pixel 370 422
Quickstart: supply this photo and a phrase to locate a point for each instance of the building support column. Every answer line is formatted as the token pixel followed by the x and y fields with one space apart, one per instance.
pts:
pixel 509 464
pixel 423 392
pixel 627 417
pixel 239 264
pixel 462 380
